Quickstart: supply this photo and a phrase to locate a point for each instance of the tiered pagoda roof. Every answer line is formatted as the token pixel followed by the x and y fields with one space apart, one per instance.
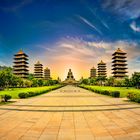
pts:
pixel 119 64
pixel 20 67
pixel 47 73
pixel 102 69
pixel 38 70
pixel 93 72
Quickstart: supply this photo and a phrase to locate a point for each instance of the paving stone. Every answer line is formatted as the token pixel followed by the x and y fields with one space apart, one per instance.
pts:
pixel 70 113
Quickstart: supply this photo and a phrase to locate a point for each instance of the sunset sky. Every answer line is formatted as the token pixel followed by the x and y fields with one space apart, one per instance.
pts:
pixel 74 34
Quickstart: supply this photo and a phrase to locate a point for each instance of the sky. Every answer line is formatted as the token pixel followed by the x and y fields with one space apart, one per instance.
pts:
pixel 74 34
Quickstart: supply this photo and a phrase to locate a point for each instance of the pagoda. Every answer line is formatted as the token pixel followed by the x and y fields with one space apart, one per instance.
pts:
pixel 93 72
pixel 47 73
pixel 102 69
pixel 20 67
pixel 38 70
pixel 119 64
pixel 70 78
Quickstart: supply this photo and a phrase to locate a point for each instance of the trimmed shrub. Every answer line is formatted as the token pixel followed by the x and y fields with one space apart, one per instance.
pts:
pixel 23 95
pixel 35 93
pixel 93 90
pixel 115 94
pixel 6 97
pixel 106 92
pixel 97 91
pixel 30 94
pixel 130 96
pixel 101 91
pixel 138 98
pixel 134 97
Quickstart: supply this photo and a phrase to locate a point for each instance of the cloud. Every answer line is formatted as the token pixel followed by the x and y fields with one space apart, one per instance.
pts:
pixel 90 24
pixel 102 22
pixel 134 27
pixel 15 6
pixel 81 55
pixel 128 9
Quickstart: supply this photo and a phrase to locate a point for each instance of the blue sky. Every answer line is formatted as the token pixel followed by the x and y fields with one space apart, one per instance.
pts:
pixel 65 34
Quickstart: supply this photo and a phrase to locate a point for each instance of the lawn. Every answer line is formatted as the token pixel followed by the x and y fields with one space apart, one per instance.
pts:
pixel 15 91
pixel 123 90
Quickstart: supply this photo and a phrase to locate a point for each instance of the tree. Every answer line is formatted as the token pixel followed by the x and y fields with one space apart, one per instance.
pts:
pixel 127 82
pixel 14 81
pixel 85 81
pixel 40 82
pixel 30 76
pixel 2 82
pixel 101 80
pixel 111 81
pixel 93 81
pixel 136 79
pixel 27 83
pixel 35 82
pixel 5 77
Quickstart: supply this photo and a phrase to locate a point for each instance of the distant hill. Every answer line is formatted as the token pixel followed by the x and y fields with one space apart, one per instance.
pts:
pixel 5 67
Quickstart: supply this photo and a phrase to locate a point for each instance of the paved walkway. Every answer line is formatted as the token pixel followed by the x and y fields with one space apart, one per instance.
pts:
pixel 70 113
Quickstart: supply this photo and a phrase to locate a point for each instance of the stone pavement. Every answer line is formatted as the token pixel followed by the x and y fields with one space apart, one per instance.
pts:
pixel 70 113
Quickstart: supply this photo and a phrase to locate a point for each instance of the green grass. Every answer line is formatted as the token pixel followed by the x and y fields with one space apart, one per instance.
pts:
pixel 123 90
pixel 15 91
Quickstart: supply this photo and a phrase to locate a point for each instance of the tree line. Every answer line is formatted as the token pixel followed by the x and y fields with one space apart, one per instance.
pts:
pixel 8 79
pixel 133 81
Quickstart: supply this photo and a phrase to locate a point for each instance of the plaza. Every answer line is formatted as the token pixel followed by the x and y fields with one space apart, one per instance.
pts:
pixel 70 113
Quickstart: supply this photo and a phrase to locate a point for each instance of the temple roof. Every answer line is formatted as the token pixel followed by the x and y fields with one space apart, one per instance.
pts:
pixel 119 51
pixel 93 67
pixel 101 62
pixel 47 68
pixel 20 52
pixel 38 62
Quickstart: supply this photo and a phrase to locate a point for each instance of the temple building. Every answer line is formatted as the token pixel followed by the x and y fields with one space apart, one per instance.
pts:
pixel 102 69
pixel 93 72
pixel 119 64
pixel 47 74
pixel 70 78
pixel 38 70
pixel 20 67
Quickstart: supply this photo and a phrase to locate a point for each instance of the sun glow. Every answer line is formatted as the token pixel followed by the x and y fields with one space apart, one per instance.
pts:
pixel 61 70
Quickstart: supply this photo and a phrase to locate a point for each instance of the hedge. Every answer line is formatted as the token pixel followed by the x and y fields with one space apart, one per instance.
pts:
pixel 115 94
pixel 5 97
pixel 23 95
